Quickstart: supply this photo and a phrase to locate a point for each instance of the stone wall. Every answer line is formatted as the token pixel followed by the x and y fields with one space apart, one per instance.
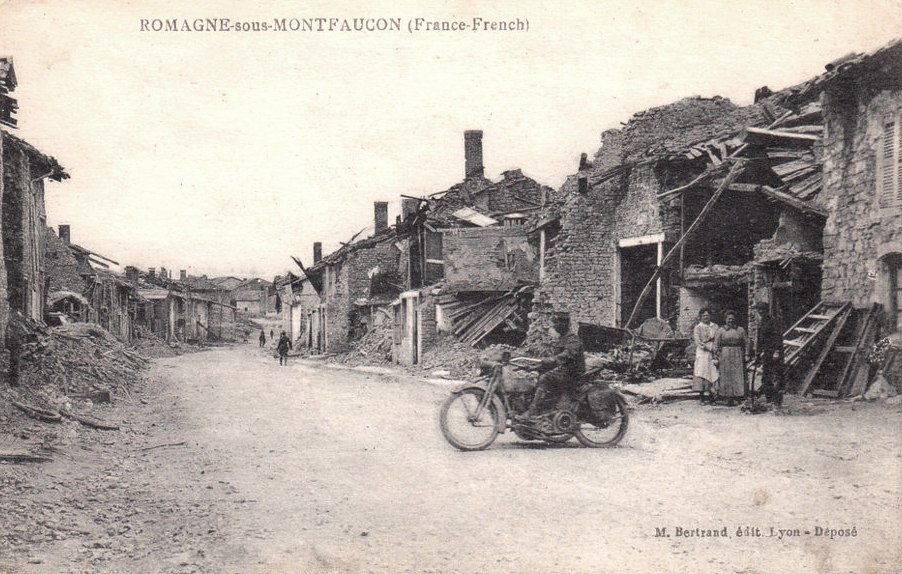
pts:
pixel 488 258
pixel 4 292
pixel 581 274
pixel 858 231
pixel 62 266
pixel 350 281
pixel 23 231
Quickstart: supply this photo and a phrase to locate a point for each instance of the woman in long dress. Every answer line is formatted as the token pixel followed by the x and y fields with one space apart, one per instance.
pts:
pixel 731 344
pixel 704 371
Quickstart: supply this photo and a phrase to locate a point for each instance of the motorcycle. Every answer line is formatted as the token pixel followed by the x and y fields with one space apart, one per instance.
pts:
pixel 478 411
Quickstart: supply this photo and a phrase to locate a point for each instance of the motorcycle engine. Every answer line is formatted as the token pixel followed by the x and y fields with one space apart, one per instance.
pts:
pixel 564 421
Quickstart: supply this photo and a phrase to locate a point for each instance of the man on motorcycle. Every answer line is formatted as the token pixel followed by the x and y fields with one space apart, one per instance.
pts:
pixel 566 365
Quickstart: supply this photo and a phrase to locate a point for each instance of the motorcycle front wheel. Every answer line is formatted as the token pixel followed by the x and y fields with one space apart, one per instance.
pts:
pixel 607 432
pixel 460 425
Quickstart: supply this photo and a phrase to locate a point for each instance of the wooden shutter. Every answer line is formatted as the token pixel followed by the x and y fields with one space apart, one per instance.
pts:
pixel 886 164
pixel 898 164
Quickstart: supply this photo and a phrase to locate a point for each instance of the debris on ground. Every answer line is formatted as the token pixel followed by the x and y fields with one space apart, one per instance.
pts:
pixel 459 358
pixel 374 348
pixel 755 406
pixel 661 390
pixel 79 358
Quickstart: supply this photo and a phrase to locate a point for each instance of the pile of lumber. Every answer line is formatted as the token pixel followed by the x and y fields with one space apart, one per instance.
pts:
pixel 473 318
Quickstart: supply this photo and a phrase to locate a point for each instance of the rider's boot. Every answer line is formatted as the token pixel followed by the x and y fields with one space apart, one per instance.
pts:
pixel 533 407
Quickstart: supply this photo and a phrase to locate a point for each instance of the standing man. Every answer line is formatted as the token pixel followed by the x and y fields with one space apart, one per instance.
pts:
pixel 566 365
pixel 283 347
pixel 769 350
pixel 262 338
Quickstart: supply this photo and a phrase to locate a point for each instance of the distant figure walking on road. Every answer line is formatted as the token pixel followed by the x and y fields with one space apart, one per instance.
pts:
pixel 272 335
pixel 262 339
pixel 283 347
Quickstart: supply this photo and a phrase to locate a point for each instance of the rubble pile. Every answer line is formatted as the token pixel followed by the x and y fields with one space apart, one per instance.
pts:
pixel 622 358
pixel 151 346
pixel 78 358
pixel 457 357
pixel 372 348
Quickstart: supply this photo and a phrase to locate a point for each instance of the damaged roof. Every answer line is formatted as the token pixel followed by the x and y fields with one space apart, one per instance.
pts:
pixel 7 74
pixel 513 193
pixel 49 167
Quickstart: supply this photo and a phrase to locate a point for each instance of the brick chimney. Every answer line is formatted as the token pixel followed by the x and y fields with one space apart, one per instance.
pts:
pixel 152 272
pixel 317 252
pixel 163 273
pixel 409 207
pixel 131 273
pixel 183 275
pixel 65 233
pixel 473 154
pixel 380 209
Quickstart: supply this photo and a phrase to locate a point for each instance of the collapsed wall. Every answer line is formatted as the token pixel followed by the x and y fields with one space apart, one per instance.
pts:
pixel 615 199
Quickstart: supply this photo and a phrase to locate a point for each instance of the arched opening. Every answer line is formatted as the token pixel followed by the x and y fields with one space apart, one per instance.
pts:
pixel 891 269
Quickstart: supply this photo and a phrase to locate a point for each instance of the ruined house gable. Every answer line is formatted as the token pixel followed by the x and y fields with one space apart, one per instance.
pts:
pixel 63 270
pixel 666 129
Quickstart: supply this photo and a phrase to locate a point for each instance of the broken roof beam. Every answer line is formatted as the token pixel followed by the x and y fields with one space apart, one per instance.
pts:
pixel 767 136
pixel 788 199
pixel 735 171
pixel 703 178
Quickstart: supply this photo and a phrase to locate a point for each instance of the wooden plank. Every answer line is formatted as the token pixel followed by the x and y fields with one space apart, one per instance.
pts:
pixel 733 173
pixel 828 346
pixel 857 361
pixel 759 134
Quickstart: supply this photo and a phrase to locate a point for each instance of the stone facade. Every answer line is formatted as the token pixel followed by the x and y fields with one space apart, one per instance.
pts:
pixel 859 233
pixel 354 281
pixel 24 221
pixel 488 258
pixel 63 270
pixel 582 262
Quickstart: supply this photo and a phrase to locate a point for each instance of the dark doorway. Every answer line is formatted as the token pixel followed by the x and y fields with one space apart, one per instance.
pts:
pixel 637 265
pixel 894 300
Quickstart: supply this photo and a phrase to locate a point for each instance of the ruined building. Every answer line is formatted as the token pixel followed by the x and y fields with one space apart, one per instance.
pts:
pixel 23 169
pixel 472 264
pixel 792 201
pixel 355 285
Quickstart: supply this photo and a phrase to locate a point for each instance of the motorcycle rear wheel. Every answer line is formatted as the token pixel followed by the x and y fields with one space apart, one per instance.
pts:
pixel 459 426
pixel 608 433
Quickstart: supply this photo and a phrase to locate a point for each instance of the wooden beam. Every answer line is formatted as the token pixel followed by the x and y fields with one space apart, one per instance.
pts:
pixel 792 201
pixel 733 174
pixel 825 350
pixel 759 133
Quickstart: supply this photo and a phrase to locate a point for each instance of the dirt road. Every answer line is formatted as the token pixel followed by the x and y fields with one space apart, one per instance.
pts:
pixel 229 463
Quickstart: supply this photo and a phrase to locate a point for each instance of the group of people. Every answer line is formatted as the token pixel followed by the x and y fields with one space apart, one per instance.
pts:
pixel 722 354
pixel 283 346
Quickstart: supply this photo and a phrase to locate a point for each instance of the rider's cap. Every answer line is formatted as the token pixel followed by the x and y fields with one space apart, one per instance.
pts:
pixel 561 316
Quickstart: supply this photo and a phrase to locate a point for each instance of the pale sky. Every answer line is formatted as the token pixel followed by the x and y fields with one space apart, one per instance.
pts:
pixel 228 152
